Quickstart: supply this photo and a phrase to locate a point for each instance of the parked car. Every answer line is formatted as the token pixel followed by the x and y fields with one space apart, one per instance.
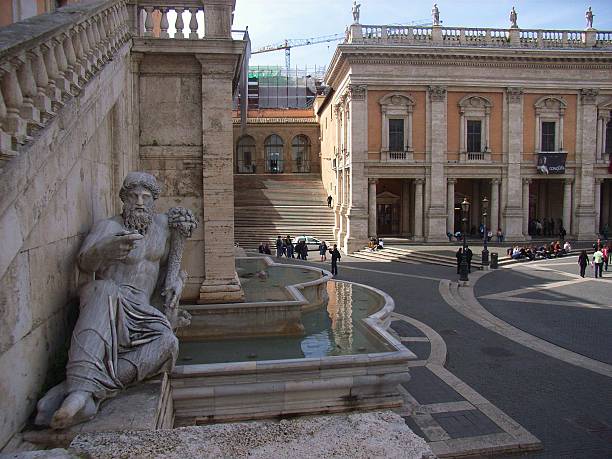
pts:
pixel 311 242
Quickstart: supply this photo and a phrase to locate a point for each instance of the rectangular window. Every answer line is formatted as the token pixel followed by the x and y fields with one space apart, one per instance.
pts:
pixel 548 136
pixel 474 136
pixel 396 135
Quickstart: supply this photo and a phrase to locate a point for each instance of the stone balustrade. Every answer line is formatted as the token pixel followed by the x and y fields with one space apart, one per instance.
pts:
pixel 46 60
pixel 155 18
pixel 485 37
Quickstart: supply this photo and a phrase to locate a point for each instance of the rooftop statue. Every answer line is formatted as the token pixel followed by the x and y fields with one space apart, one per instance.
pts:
pixel 435 15
pixel 513 18
pixel 589 18
pixel 120 337
pixel 356 7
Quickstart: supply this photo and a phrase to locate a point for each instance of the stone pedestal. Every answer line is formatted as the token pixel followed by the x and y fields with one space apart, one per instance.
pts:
pixel 221 291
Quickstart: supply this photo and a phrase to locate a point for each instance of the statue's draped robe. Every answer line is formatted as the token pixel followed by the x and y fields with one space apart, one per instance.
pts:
pixel 117 322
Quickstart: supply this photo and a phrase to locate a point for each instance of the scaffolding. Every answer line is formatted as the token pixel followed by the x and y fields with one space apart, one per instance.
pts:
pixel 272 86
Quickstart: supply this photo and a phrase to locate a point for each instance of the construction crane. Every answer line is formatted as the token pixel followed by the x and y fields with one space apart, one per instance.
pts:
pixel 289 43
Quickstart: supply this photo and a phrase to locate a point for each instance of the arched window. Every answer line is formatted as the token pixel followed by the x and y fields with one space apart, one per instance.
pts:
pixel 300 153
pixel 245 155
pixel 474 134
pixel 274 154
pixel 396 109
pixel 549 111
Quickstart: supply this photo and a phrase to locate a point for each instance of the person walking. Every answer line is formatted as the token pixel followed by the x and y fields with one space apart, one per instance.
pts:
pixel 459 254
pixel 329 201
pixel 323 251
pixel 598 263
pixel 468 253
pixel 289 246
pixel 583 261
pixel 335 257
pixel 279 247
pixel 606 256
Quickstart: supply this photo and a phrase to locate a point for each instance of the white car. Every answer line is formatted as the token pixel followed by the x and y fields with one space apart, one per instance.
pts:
pixel 311 242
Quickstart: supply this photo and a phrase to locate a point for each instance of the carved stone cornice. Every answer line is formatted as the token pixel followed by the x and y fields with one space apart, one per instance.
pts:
pixel 514 94
pixel 357 91
pixel 437 93
pixel 589 95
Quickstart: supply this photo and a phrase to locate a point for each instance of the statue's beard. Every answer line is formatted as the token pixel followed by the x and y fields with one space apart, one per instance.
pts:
pixel 137 219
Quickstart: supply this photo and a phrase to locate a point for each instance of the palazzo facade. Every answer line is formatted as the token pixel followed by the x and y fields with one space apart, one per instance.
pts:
pixel 419 118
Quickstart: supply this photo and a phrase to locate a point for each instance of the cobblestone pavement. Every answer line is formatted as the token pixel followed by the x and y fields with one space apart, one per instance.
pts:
pixel 532 339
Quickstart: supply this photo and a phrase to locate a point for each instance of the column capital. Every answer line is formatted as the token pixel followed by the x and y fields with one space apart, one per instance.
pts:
pixel 419 181
pixel 495 181
pixel 589 95
pixel 437 93
pixel 372 181
pixel 514 94
pixel 599 180
pixel 568 181
pixel 526 181
pixel 357 91
pixel 451 181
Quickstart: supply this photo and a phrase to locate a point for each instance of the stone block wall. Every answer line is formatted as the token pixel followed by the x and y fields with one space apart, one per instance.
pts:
pixel 50 195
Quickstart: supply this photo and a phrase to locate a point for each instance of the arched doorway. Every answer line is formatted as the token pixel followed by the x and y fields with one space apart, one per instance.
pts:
pixel 274 154
pixel 300 153
pixel 245 155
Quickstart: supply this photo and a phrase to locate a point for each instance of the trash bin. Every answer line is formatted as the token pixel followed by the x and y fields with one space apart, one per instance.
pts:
pixel 494 257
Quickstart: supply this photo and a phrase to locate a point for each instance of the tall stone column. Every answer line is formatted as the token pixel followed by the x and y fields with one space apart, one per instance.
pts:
pixel 494 205
pixel 356 236
pixel 585 182
pixel 405 208
pixel 525 208
pixel 372 207
pixel 598 225
pixel 436 212
pixel 418 210
pixel 475 213
pixel 337 204
pixel 513 211
pixel 567 204
pixel 450 206
pixel 221 284
pixel 342 208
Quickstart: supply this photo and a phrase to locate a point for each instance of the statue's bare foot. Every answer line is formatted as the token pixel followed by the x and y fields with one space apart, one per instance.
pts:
pixel 72 404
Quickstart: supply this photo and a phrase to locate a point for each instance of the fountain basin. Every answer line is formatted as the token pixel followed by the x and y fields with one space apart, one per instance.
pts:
pixel 319 383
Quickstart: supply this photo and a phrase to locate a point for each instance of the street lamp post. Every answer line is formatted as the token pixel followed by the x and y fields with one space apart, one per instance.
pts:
pixel 463 267
pixel 485 250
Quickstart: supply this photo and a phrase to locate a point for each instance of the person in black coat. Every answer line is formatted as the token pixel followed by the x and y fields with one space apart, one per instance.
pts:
pixel 468 253
pixel 335 256
pixel 583 261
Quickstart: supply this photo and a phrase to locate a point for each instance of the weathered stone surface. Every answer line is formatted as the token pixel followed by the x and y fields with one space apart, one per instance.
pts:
pixel 56 453
pixel 361 435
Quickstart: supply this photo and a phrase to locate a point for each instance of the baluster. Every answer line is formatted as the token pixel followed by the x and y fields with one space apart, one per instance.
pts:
pixel 13 99
pixel 54 93
pixel 28 90
pixel 93 45
pixel 6 142
pixel 163 24
pixel 41 79
pixel 70 72
pixel 179 25
pixel 148 22
pixel 193 24
pixel 88 50
pixel 105 42
pixel 114 28
pixel 80 65
pixel 100 45
pixel 60 60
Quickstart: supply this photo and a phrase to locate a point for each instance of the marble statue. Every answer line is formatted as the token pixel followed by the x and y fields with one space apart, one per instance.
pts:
pixel 589 18
pixel 513 18
pixel 356 7
pixel 124 333
pixel 435 15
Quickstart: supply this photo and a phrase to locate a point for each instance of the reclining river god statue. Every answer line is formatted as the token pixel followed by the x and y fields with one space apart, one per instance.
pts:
pixel 121 337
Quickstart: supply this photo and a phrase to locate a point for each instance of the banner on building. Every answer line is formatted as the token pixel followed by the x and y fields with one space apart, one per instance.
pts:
pixel 551 163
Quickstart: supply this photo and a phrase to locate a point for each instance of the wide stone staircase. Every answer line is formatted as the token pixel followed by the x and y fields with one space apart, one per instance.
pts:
pixel 266 206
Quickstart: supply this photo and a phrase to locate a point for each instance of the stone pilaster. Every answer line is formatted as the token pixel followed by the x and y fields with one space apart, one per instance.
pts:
pixel 598 225
pixel 567 204
pixel 585 182
pixel 450 206
pixel 525 209
pixel 356 236
pixel 372 207
pixel 221 284
pixel 418 210
pixel 405 208
pixel 512 211
pixel 436 212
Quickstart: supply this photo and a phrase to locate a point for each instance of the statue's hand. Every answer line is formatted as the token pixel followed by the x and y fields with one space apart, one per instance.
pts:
pixel 172 293
pixel 118 246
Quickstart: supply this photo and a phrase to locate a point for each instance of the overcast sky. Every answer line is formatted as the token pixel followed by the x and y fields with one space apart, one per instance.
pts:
pixel 272 21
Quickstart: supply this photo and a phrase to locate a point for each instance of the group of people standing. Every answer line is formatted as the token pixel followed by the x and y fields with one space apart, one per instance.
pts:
pixel 547 227
pixel 601 258
pixel 286 248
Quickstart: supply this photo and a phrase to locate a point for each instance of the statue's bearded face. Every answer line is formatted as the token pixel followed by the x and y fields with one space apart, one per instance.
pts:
pixel 138 208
